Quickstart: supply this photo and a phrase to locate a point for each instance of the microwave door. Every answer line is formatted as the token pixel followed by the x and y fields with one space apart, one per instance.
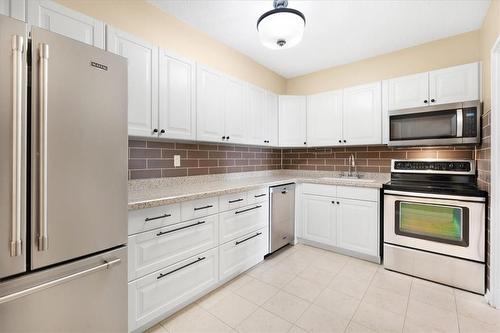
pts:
pixel 13 43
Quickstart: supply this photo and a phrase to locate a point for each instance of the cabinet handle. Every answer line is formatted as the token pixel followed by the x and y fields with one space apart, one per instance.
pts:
pixel 236 200
pixel 259 195
pixel 204 207
pixel 162 275
pixel 305 142
pixel 223 138
pixel 433 100
pixel 147 219
pixel 340 141
pixel 155 130
pixel 162 131
pixel 181 228
pixel 425 101
pixel 227 138
pixel 246 210
pixel 338 203
pixel 345 141
pixel 248 238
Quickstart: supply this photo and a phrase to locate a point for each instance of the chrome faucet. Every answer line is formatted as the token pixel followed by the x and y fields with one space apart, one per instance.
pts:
pixel 351 165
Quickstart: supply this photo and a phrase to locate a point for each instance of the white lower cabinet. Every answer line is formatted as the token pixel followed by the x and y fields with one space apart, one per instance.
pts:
pixel 348 221
pixel 242 253
pixel 357 226
pixel 153 250
pixel 156 294
pixel 319 216
pixel 241 221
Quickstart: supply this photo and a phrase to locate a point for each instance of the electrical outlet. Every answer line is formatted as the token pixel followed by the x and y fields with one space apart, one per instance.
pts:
pixel 177 161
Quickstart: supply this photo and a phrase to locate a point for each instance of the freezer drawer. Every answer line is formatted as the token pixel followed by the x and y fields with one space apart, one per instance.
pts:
pixel 153 250
pixel 84 296
pixel 159 293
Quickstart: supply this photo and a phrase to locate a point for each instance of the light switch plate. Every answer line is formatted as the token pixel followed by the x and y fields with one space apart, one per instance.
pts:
pixel 177 160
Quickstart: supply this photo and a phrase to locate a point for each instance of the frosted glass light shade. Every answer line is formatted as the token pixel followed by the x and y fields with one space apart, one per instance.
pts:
pixel 281 28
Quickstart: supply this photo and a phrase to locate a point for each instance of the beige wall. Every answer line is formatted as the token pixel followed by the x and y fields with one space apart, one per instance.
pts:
pixel 456 50
pixel 488 35
pixel 146 21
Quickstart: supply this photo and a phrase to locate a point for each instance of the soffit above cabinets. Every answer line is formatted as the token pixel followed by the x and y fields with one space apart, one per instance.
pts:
pixel 337 32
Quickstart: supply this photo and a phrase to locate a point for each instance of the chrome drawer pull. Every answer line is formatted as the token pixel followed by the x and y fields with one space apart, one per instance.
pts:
pixel 204 207
pixel 173 230
pixel 237 200
pixel 162 275
pixel 147 219
pixel 246 210
pixel 242 241
pixel 260 195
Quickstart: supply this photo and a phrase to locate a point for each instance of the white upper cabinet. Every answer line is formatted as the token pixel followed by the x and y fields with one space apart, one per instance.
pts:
pixel 292 121
pixel 177 114
pixel 257 116
pixel 324 119
pixel 454 84
pixel 13 8
pixel 235 111
pixel 442 86
pixel 209 104
pixel 272 119
pixel 409 91
pixel 59 19
pixel 362 114
pixel 142 81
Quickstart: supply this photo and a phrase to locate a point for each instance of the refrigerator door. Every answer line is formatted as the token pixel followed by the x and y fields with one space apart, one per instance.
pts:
pixel 79 149
pixel 88 295
pixel 13 42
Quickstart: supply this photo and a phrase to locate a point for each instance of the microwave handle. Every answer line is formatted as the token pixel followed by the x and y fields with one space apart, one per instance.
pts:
pixel 460 122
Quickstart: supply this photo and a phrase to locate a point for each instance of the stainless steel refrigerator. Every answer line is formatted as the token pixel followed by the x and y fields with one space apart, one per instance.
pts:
pixel 63 184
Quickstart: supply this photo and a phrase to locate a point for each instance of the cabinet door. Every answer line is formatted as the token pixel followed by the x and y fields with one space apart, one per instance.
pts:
pixel 157 294
pixel 454 84
pixel 257 116
pixel 292 121
pixel 235 111
pixel 177 115
pixel 319 219
pixel 142 81
pixel 357 226
pixel 13 8
pixel 209 105
pixel 59 19
pixel 324 119
pixel 409 91
pixel 238 222
pixel 272 119
pixel 362 114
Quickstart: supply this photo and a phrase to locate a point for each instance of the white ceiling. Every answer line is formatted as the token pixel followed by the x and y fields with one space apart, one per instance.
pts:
pixel 337 32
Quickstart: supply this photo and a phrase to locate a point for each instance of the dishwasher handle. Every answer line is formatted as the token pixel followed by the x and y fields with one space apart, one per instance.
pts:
pixel 284 189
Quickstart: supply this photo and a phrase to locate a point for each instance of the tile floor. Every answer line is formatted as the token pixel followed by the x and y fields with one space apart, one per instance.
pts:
pixel 305 289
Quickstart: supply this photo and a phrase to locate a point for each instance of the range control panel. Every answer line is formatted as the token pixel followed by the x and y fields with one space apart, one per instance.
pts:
pixel 435 166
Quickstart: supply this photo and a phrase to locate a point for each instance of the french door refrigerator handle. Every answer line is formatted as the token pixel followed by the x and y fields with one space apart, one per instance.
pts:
pixel 43 106
pixel 17 104
pixel 67 278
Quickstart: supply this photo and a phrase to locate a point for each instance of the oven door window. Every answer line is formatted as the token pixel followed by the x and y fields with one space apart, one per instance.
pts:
pixel 439 223
pixel 425 125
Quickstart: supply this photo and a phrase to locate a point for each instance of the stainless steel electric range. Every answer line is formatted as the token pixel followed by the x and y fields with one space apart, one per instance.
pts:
pixel 434 222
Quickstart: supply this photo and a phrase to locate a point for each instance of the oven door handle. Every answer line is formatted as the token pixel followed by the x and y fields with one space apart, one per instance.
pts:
pixel 460 123
pixel 435 196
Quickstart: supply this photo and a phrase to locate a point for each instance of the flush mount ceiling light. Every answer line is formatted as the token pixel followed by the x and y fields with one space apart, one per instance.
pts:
pixel 282 27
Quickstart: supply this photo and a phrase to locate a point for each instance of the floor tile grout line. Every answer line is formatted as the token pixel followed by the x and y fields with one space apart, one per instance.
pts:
pixel 407 304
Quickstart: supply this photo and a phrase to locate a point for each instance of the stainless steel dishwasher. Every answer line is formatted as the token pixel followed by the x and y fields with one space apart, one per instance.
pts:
pixel 282 216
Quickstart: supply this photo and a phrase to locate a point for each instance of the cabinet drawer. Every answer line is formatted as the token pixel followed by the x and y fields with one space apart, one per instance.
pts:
pixel 153 250
pixel 239 222
pixel 320 189
pixel 199 208
pixel 156 294
pixel 152 218
pixel 358 193
pixel 260 195
pixel 243 253
pixel 232 201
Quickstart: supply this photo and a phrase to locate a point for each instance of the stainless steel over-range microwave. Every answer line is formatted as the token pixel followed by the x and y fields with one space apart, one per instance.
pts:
pixel 446 124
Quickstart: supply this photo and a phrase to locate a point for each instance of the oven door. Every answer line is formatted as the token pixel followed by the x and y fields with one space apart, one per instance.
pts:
pixel 450 225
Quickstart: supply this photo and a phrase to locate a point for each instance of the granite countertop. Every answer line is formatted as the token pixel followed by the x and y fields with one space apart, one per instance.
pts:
pixel 164 191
